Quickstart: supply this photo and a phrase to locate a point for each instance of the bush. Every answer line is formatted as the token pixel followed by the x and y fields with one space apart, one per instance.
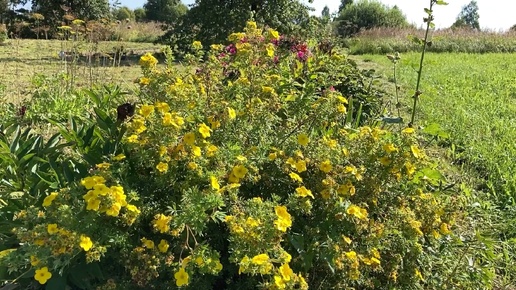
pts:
pixel 363 15
pixel 244 173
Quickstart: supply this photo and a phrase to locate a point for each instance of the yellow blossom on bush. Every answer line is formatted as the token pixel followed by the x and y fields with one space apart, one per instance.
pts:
pixel 304 192
pixel 161 223
pixel 86 244
pixel 148 60
pixel 357 211
pixel 279 282
pixel 273 34
pixel 90 181
pixel 162 167
pixel 204 130
pixel 101 189
pixel 197 45
pixel 408 131
pixel 42 275
pixel 415 151
pixel 302 139
pixel 182 277
pixel 144 81
pixel 326 166
pixel 444 229
pixel 300 166
pixel 163 246
pixel 286 272
pixel 146 110
pixel 52 229
pixel 284 219
pixel 389 148
pixel 231 113
pixel 189 138
pixel 147 243
pixel 49 199
pixel 239 171
pixel 119 157
pixel 260 259
pixel 295 177
pixel 214 183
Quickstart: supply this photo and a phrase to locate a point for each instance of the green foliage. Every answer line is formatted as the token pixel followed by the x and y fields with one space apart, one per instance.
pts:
pixel 468 17
pixel 249 171
pixel 365 14
pixel 383 41
pixel 165 11
pixel 124 13
pixel 53 11
pixel 210 21
pixel 139 14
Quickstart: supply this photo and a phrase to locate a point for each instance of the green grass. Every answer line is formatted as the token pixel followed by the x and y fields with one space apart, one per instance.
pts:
pixel 389 40
pixel 473 97
pixel 22 60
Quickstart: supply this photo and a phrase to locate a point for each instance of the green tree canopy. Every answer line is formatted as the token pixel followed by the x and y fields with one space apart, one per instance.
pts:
pixel 210 21
pixel 54 10
pixel 139 14
pixel 166 11
pixel 468 17
pixel 123 13
pixel 367 14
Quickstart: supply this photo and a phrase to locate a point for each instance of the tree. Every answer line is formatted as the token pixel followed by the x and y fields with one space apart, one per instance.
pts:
pixel 211 21
pixel 468 17
pixel 139 14
pixel 54 10
pixel 166 11
pixel 344 4
pixel 123 13
pixel 366 15
pixel 325 14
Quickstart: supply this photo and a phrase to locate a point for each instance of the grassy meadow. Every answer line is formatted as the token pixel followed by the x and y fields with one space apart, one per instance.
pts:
pixel 390 40
pixel 22 60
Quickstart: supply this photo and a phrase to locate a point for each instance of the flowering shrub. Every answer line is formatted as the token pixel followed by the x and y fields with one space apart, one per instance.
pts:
pixel 245 172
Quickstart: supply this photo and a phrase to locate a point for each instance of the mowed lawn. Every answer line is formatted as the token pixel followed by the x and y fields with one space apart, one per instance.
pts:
pixel 473 97
pixel 21 60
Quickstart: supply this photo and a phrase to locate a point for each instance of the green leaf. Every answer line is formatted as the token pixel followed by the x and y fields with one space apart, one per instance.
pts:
pixel 428 11
pixel 57 282
pixel 441 2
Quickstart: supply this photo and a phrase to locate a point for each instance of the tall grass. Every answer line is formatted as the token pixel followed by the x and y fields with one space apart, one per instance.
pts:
pixel 389 40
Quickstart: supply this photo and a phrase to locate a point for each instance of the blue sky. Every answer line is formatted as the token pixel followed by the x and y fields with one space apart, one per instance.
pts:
pixel 494 14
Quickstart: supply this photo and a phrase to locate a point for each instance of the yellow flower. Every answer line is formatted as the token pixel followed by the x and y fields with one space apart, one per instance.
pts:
pixel 295 177
pixel 146 110
pixel 204 130
pixel 34 261
pixel 93 204
pixel 90 181
pixel 211 150
pixel 273 156
pixel 415 151
pixel 197 45
pixel 218 266
pixel 239 171
pixel 144 81
pixel 251 25
pixel 189 138
pixel 444 229
pixel 352 255
pixel 260 259
pixel 273 34
pixel 410 168
pixel 286 272
pixel 302 139
pixel 357 211
pixel 270 49
pixel 408 131
pixel 163 246
pixel 148 60
pixel 42 275
pixel 214 183
pixel 162 107
pixel 101 189
pixel 86 244
pixel 103 165
pixel 300 166
pixel 231 113
pixel 119 157
pixel 52 229
pixel 132 208
pixel 279 282
pixel 326 166
pixel 132 139
pixel 114 210
pixel 49 199
pixel 162 167
pixel 181 277
pixel 284 220
pixel 147 243
pixel 389 148
pixel 161 223
pixel 196 151
pixel 304 192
